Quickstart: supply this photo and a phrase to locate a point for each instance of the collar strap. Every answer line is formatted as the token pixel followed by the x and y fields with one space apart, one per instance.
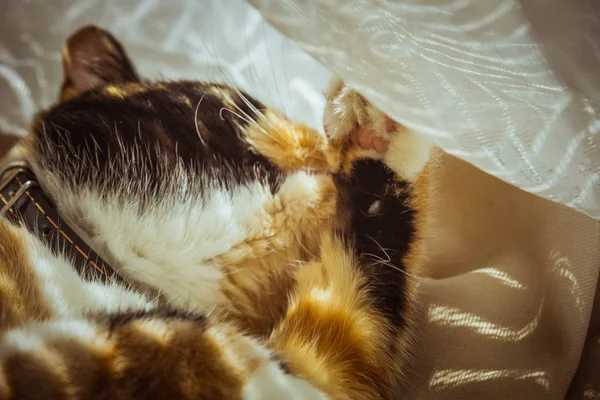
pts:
pixel 25 203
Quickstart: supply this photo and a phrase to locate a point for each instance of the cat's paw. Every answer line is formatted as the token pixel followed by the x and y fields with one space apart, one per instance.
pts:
pixel 351 119
pixel 358 129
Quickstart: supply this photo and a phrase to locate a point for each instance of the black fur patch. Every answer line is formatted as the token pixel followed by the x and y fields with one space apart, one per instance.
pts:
pixel 156 127
pixel 382 235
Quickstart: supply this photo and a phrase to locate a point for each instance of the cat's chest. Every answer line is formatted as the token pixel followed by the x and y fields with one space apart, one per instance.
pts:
pixel 187 246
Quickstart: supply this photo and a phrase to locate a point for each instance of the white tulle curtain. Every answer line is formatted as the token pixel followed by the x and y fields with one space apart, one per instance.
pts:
pixel 215 40
pixel 510 86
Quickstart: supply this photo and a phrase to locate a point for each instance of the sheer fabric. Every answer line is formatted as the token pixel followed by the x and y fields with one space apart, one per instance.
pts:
pixel 509 86
pixel 217 40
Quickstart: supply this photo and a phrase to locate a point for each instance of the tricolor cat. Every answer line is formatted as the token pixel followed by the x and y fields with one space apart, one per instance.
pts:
pixel 254 258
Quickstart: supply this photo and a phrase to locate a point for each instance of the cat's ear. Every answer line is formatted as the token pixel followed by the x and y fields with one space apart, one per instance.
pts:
pixel 93 58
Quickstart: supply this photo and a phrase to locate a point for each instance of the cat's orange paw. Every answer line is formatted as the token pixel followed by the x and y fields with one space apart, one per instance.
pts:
pixel 369 139
pixel 348 114
pixel 358 129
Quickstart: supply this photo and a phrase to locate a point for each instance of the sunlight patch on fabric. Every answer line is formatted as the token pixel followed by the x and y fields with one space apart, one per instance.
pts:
pixel 453 378
pixel 455 317
pixel 501 276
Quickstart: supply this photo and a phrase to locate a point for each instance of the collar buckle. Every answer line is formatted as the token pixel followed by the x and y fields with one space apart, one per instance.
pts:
pixel 10 172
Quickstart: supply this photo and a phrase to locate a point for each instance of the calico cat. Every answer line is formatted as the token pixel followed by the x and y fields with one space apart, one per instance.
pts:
pixel 262 260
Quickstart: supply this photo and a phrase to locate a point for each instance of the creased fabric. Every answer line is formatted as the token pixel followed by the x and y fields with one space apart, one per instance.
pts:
pixel 214 40
pixel 509 86
pixel 507 294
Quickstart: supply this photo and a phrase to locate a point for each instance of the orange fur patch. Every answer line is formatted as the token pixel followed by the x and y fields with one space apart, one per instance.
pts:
pixel 331 335
pixel 20 296
pixel 259 272
pixel 128 89
pixel 290 145
pixel 188 361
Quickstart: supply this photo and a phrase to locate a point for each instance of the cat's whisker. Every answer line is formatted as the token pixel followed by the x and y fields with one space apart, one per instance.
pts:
pixel 157 297
pixel 229 81
pixel 380 246
pixel 302 244
pixel 235 88
pixel 196 122
pixel 249 121
pixel 230 100
pixel 376 257
pixel 381 261
pixel 248 103
pixel 233 272
pixel 208 314
pixel 234 113
pixel 139 130
pixel 252 106
pixel 254 109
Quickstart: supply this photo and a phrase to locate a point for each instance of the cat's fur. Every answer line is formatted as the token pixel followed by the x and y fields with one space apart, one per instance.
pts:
pixel 258 274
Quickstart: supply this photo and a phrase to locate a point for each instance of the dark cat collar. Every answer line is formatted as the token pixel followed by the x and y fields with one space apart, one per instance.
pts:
pixel 24 202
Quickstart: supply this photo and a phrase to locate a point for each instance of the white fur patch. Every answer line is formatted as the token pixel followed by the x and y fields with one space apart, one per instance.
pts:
pixel 32 337
pixel 340 115
pixel 176 244
pixel 269 382
pixel 68 295
pixel 408 153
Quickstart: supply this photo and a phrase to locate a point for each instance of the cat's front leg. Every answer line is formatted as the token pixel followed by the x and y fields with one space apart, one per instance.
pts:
pixel 358 129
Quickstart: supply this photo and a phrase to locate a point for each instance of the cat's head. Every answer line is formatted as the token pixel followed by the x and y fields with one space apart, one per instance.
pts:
pixel 110 123
pixel 125 158
pixel 112 130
